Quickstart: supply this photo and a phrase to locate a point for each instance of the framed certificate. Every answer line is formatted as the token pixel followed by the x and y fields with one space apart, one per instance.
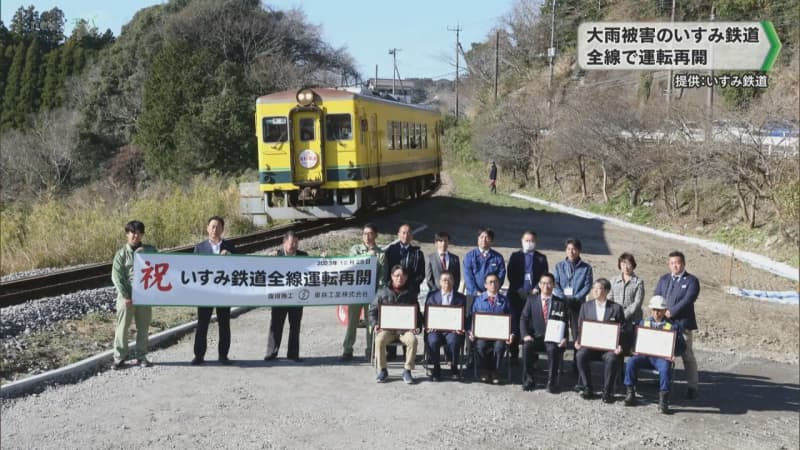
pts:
pixel 398 317
pixel 446 318
pixel 555 331
pixel 654 342
pixel 599 335
pixel 494 327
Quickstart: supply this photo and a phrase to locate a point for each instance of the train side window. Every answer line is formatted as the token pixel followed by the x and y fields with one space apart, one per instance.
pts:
pixel 390 135
pixel 418 133
pixel 424 135
pixel 307 129
pixel 275 129
pixel 404 138
pixel 339 127
pixel 363 132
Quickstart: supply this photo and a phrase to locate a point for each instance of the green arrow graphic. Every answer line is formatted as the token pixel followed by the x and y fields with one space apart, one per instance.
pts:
pixel 775 45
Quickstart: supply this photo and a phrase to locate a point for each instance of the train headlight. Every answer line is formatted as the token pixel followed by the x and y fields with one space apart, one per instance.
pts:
pixel 305 96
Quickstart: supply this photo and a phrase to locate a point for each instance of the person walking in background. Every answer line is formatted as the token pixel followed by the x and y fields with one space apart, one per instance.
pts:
pixel 367 247
pixel 214 245
pixel 493 178
pixel 122 277
pixel 681 290
pixel 279 313
pixel 627 290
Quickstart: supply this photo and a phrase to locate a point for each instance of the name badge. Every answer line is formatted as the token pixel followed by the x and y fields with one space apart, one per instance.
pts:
pixel 568 291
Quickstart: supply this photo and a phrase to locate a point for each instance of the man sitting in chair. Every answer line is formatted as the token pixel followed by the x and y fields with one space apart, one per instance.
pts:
pixel 489 354
pixel 538 310
pixel 659 321
pixel 396 293
pixel 446 296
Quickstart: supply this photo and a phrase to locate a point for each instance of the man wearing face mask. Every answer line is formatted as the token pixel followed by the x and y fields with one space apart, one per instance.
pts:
pixel 525 267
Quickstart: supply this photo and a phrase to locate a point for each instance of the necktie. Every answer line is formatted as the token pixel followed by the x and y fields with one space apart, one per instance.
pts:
pixel 444 261
pixel 491 301
pixel 446 301
pixel 544 309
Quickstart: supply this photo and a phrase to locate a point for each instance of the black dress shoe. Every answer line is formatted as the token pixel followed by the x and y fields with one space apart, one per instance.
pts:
pixel 608 398
pixel 578 388
pixel 587 394
pixel 225 361
pixel 271 357
pixel 197 361
pixel 434 378
pixel 346 357
pixel 528 387
pixel 549 388
pixel 297 360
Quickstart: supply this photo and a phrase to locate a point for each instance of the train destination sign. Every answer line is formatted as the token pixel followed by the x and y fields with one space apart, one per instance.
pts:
pixel 677 45
pixel 161 279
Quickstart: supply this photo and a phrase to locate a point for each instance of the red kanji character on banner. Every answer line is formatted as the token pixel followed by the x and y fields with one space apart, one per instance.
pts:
pixel 154 275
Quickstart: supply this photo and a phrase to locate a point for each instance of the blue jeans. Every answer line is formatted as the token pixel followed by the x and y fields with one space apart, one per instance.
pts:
pixel 648 362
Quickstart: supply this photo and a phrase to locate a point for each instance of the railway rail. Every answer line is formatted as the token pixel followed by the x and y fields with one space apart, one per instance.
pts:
pixel 97 275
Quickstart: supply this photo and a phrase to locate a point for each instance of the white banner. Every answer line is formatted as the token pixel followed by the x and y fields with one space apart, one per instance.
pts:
pixel 174 279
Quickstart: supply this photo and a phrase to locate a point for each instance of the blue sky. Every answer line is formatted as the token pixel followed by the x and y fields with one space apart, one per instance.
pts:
pixel 367 28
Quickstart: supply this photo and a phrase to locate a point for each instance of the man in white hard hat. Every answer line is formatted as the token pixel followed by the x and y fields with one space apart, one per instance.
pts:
pixel 657 320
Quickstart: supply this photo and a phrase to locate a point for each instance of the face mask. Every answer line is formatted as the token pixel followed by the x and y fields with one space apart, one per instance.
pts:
pixel 528 246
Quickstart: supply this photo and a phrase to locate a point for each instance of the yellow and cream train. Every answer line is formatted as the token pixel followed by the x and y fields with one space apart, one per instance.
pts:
pixel 325 153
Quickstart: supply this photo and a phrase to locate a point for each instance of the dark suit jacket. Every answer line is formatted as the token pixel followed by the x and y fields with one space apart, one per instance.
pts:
pixel 532 321
pixel 433 269
pixel 680 298
pixel 205 247
pixel 614 313
pixel 414 262
pixel 516 272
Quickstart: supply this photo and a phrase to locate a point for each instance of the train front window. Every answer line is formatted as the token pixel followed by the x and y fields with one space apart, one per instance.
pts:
pixel 306 129
pixel 339 127
pixel 275 129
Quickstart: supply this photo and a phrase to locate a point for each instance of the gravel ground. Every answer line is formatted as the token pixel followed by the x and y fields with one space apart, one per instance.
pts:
pixel 321 403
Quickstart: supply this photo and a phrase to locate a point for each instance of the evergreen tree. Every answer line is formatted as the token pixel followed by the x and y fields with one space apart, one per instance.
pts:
pixel 25 22
pixel 51 28
pixel 51 89
pixel 6 55
pixel 30 83
pixel 8 117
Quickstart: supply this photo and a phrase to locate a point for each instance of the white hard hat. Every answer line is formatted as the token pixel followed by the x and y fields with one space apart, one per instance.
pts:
pixel 658 302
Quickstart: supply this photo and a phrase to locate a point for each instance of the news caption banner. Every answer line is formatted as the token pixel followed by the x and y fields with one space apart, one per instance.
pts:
pixel 162 279
pixel 677 45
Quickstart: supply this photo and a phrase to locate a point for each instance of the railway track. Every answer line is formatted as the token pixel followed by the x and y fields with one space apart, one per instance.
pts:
pixel 98 275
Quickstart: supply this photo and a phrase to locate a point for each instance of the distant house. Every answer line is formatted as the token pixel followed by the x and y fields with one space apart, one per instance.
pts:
pixel 411 90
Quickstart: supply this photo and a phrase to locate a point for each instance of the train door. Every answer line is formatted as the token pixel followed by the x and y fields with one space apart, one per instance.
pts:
pixel 307 155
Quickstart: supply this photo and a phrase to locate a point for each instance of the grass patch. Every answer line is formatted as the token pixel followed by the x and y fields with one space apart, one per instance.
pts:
pixel 73 340
pixel 87 227
pixel 472 183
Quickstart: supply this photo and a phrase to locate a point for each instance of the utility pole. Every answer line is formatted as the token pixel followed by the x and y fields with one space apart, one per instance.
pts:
pixel 496 62
pixel 375 86
pixel 551 52
pixel 393 52
pixel 457 29
pixel 710 100
pixel 669 77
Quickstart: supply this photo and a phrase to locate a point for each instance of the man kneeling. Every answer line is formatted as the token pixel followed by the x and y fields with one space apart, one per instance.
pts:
pixel 396 293
pixel 658 320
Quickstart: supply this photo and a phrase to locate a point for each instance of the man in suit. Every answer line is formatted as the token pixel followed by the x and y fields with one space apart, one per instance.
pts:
pixel 279 313
pixel 217 246
pixel 681 289
pixel 525 267
pixel 446 296
pixel 489 353
pixel 573 282
pixel 601 310
pixel 442 261
pixel 539 309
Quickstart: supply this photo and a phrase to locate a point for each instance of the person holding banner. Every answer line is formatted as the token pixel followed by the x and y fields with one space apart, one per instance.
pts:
pixel 367 247
pixel 217 246
pixel 396 293
pixel 598 310
pixel 525 267
pixel 122 277
pixel 543 325
pixel 681 290
pixel 279 313
pixel 445 296
pixel 489 353
pixel 658 321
